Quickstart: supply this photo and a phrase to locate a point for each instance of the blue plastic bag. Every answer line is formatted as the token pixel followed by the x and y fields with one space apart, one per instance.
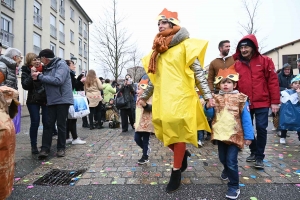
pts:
pixel 17 120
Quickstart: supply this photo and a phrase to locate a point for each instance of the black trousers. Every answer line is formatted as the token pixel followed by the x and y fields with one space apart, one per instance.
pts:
pixel 125 113
pixel 95 111
pixel 71 127
pixel 56 113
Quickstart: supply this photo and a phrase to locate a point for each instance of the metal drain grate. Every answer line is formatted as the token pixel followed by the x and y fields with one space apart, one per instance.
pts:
pixel 60 177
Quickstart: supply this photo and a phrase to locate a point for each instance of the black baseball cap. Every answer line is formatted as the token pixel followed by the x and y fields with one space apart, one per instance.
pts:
pixel 47 53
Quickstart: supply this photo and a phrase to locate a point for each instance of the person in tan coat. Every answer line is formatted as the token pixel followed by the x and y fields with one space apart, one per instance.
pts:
pixel 93 87
pixel 223 61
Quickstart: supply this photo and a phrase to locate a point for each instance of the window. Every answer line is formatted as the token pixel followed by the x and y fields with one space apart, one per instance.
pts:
pixel 36 43
pixel 85 50
pixel 80 26
pixel 52 25
pixel 61 32
pixel 85 30
pixel 8 3
pixel 54 4
pixel 84 66
pixel 37 18
pixel 71 36
pixel 62 8
pixel 80 65
pixel 61 53
pixel 6 36
pixel 80 47
pixel 53 47
pixel 71 13
pixel 291 59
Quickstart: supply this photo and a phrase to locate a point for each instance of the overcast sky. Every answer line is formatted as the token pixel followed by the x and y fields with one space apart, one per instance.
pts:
pixel 212 20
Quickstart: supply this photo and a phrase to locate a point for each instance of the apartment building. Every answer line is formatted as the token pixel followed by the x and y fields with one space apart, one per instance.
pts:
pixel 33 25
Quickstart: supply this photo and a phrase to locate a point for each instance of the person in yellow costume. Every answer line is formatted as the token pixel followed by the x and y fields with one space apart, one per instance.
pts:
pixel 174 68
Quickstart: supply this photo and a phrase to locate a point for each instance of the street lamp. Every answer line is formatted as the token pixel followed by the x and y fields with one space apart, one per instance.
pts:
pixel 74 59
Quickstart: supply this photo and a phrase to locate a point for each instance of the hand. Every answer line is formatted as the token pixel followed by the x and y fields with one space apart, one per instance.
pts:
pixel 83 79
pixel 34 75
pixel 211 103
pixel 33 69
pixel 247 142
pixel 142 102
pixel 298 90
pixel 274 108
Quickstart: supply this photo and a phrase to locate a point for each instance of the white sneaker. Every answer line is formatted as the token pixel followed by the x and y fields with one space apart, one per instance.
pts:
pixel 78 141
pixel 274 129
pixel 282 141
pixel 69 141
pixel 200 143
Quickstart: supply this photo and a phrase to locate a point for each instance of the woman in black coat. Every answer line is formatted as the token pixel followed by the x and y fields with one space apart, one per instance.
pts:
pixel 36 98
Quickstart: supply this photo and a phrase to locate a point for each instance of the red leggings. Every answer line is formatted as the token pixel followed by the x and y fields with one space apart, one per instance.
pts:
pixel 179 151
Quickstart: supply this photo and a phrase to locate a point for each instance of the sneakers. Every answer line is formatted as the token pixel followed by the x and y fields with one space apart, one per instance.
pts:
pixel 232 193
pixel 60 153
pixel 224 176
pixel 282 141
pixel 69 141
pixel 250 158
pixel 78 141
pixel 200 143
pixel 143 160
pixel 43 154
pixel 259 164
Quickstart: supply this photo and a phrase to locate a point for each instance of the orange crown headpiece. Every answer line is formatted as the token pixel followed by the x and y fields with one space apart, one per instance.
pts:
pixel 229 73
pixel 168 15
pixel 144 82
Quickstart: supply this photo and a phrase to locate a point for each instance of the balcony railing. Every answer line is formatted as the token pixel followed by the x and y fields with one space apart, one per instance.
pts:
pixel 80 50
pixel 85 53
pixel 61 37
pixel 62 11
pixel 52 31
pixel 36 49
pixel 37 20
pixel 85 34
pixel 6 38
pixel 80 30
pixel 8 3
pixel 54 4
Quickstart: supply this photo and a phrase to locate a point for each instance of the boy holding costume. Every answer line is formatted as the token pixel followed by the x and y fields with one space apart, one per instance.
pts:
pixel 231 126
pixel 289 116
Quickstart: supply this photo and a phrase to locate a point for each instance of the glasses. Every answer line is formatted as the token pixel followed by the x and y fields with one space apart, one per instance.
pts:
pixel 36 59
pixel 162 22
pixel 20 57
pixel 287 69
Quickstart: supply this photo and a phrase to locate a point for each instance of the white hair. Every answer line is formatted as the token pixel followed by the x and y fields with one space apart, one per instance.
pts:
pixel 11 52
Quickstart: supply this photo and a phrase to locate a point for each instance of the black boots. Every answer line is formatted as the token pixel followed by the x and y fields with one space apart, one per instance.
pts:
pixel 174 182
pixel 99 125
pixel 34 150
pixel 184 161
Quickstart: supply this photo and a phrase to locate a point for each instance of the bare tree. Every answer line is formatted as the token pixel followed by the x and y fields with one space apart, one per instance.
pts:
pixel 251 27
pixel 134 67
pixel 111 41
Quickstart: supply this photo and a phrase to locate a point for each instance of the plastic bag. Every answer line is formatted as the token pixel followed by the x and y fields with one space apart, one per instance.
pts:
pixel 80 108
pixel 17 120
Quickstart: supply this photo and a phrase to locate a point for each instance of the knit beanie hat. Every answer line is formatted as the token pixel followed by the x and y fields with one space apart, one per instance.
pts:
pixel 247 42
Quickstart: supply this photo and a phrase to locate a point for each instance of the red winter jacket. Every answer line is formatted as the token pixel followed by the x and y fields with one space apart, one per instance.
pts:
pixel 257 77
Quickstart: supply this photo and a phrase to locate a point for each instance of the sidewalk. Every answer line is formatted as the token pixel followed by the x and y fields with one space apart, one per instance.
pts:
pixel 110 159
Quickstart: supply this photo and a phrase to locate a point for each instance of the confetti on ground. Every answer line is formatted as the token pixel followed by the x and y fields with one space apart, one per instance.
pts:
pixel 153 183
pixel 290 155
pixel 268 165
pixel 298 185
pixel 30 186
pixel 114 182
pixel 240 173
pixel 246 178
pixel 268 181
pixel 167 182
pixel 72 172
pixel 25 180
pixel 265 160
pixel 252 176
pixel 247 166
pixel 72 184
pixel 288 175
pixel 153 165
pixel 16 179
pixel 287 170
pixel 253 198
pixel 190 168
pixel 242 185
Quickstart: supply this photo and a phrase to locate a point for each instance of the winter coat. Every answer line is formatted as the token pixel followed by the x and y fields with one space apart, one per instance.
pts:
pixel 257 77
pixel 285 80
pixel 214 66
pixel 8 67
pixel 57 82
pixel 36 91
pixel 93 93
pixel 108 92
pixel 80 85
pixel 74 81
pixel 127 91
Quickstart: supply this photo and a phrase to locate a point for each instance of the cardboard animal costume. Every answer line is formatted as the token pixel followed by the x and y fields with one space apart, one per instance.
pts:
pixel 8 109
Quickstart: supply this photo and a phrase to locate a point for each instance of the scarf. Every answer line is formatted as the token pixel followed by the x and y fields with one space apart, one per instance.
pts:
pixel 232 92
pixel 39 68
pixel 161 44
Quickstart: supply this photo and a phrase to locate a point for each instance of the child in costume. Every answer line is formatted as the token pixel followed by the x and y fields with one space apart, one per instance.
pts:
pixel 143 123
pixel 231 126
pixel 289 115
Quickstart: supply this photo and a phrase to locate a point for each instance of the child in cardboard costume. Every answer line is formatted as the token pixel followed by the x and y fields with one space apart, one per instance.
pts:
pixel 8 110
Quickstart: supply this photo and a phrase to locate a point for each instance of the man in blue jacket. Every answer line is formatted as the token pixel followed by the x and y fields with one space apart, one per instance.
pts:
pixel 58 87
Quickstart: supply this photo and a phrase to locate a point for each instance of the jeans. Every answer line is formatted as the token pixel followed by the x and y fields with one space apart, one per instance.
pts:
pixel 283 134
pixel 200 135
pixel 228 155
pixel 56 113
pixel 71 127
pixel 34 112
pixel 142 139
pixel 125 113
pixel 257 147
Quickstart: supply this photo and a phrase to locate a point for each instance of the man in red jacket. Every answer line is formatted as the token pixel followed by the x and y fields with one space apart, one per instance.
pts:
pixel 259 82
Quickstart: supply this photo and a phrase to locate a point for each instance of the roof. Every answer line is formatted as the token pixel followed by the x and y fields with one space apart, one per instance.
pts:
pixel 281 46
pixel 82 11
